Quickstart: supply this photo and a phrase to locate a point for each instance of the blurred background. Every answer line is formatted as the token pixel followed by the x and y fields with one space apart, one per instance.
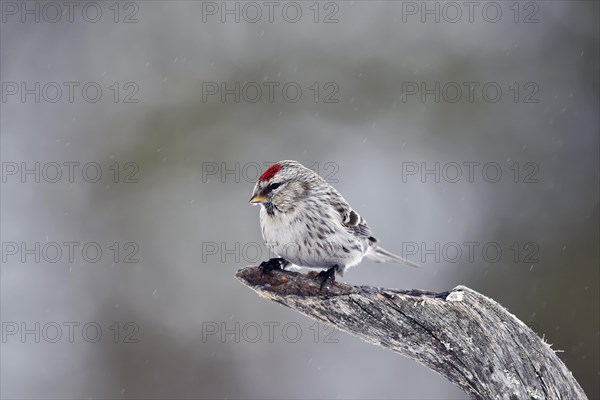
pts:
pixel 133 132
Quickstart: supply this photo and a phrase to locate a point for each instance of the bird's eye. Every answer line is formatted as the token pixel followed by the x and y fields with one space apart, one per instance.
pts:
pixel 274 186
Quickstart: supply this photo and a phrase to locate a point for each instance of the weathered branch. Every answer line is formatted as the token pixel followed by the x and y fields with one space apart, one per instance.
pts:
pixel 463 335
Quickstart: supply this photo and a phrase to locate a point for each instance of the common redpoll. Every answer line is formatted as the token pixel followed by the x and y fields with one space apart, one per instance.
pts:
pixel 306 222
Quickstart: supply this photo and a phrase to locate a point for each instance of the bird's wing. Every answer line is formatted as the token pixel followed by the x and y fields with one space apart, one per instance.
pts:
pixel 354 223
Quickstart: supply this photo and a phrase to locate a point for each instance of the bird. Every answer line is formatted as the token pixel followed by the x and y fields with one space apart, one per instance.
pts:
pixel 306 222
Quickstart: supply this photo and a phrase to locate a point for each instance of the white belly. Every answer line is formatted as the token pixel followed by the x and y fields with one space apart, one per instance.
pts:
pixel 288 237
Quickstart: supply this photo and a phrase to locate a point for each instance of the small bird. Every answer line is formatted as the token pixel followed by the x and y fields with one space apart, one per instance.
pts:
pixel 306 222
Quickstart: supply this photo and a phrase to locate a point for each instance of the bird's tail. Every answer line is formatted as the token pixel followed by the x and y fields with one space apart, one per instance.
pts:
pixel 378 254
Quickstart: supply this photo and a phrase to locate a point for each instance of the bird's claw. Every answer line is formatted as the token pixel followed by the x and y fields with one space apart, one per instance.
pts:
pixel 326 275
pixel 273 263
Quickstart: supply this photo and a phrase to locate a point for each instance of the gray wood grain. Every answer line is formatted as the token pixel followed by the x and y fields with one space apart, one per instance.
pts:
pixel 463 335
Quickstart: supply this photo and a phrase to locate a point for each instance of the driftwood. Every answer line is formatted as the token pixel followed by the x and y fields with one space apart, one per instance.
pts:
pixel 463 335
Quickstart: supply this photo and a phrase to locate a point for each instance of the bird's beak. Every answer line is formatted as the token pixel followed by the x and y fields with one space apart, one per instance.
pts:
pixel 258 198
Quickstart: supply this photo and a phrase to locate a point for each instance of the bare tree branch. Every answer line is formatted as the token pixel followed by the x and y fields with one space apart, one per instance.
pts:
pixel 461 334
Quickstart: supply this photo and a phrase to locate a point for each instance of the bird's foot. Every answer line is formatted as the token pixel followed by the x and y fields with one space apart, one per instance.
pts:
pixel 273 263
pixel 327 275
